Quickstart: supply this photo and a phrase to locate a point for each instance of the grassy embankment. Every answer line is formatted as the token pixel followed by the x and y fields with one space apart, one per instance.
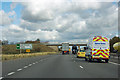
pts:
pixel 9 52
pixel 16 56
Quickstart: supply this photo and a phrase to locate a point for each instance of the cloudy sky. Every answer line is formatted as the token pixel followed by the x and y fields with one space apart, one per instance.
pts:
pixel 58 20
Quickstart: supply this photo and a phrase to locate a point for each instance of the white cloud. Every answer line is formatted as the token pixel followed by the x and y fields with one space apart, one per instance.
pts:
pixel 16 33
pixel 77 27
pixel 5 20
pixel 96 0
pixel 60 0
pixel 71 18
pixel 46 35
pixel 64 21
pixel 86 5
pixel 15 27
pixel 44 10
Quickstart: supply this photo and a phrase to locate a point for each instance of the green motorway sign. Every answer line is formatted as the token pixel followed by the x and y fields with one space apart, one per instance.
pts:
pixel 24 46
pixel 18 46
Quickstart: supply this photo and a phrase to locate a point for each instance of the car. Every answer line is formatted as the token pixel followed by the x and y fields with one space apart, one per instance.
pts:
pixel 81 54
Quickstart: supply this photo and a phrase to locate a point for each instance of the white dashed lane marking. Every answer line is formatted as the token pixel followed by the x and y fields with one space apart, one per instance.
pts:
pixel 19 69
pixel 81 67
pixel 36 62
pixel 1 78
pixel 10 73
pixel 33 63
pixel 30 65
pixel 25 66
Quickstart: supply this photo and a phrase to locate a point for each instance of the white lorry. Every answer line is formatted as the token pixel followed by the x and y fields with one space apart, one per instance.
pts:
pixel 65 48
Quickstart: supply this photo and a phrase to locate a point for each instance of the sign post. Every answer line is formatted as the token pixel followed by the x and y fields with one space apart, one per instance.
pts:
pixel 18 47
pixel 27 47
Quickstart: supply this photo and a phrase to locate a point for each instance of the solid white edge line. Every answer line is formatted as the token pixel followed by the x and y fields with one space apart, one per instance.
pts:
pixel 114 63
pixel 81 67
pixel 10 73
pixel 19 69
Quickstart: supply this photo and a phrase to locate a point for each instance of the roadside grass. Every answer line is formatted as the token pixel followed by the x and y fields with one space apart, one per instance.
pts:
pixel 23 55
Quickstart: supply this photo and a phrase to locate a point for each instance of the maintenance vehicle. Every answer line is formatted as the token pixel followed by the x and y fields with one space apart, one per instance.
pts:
pixel 98 49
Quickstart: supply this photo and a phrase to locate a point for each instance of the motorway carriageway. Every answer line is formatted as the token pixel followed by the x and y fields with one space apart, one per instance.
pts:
pixel 58 66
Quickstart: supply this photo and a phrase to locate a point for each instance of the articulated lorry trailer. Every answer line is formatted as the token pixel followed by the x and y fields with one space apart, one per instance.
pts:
pixel 65 48
pixel 98 48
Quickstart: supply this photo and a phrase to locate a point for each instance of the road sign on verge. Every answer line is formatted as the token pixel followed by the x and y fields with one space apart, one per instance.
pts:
pixel 24 46
pixel 27 50
pixel 18 46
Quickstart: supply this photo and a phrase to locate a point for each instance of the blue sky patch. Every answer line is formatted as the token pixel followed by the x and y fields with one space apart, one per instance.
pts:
pixel 17 9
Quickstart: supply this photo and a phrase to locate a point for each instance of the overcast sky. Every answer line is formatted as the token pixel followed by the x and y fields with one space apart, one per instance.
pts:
pixel 58 20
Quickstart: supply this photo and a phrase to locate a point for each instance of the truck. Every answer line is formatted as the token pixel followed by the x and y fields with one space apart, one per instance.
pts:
pixel 74 49
pixel 65 48
pixel 98 49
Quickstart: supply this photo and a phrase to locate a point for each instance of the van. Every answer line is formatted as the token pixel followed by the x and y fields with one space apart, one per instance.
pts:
pixel 98 48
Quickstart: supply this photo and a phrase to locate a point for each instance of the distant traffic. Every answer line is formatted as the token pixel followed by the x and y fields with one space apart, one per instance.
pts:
pixel 97 49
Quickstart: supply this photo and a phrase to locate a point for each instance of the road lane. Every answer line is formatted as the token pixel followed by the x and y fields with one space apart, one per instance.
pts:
pixel 60 66
pixel 13 65
pixel 98 69
pixel 66 66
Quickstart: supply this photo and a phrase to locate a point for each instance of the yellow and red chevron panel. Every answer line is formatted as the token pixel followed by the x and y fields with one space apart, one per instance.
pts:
pixel 103 53
pixel 100 38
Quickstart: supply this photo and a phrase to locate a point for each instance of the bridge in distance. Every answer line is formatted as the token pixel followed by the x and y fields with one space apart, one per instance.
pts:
pixel 70 44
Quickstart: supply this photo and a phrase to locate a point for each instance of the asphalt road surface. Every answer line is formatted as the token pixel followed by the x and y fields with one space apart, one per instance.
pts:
pixel 58 66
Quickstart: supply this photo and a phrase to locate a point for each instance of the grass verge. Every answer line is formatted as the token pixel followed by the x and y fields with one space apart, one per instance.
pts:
pixel 16 56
